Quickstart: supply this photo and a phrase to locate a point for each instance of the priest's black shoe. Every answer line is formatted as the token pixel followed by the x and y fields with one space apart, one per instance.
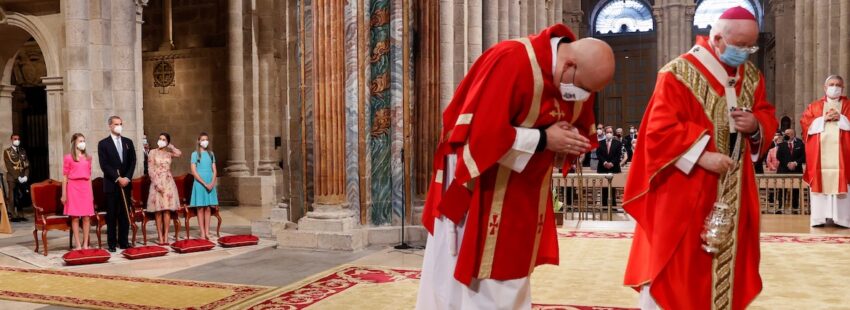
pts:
pixel 111 249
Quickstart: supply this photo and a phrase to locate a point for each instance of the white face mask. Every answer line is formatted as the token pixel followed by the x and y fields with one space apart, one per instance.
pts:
pixel 632 131
pixel 609 136
pixel 144 141
pixel 205 144
pixel 81 146
pixel 118 129
pixel 571 92
pixel 599 132
pixel 161 144
pixel 16 143
pixel 833 92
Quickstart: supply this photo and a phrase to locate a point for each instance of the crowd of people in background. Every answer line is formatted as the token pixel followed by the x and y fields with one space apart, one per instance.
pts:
pixel 117 161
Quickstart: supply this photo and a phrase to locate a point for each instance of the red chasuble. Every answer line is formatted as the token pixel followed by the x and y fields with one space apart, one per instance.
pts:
pixel 812 174
pixel 509 220
pixel 670 207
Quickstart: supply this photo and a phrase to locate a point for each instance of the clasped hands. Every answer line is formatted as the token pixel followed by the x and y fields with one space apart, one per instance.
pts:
pixel 562 137
pixel 832 116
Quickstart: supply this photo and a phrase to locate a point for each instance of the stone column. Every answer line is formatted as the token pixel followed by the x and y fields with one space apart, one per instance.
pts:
pixel 167 30
pixel 474 30
pixel 573 17
pixel 265 10
pixel 447 50
pixel 822 47
pixel 54 118
pixel 426 109
pixel 329 172
pixel 330 224
pixel 783 88
pixel 490 15
pixel 236 166
pixel 5 114
pixel 139 88
pixel 674 21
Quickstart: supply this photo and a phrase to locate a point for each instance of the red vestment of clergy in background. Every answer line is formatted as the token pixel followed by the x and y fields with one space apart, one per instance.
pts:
pixel 812 175
pixel 670 206
pixel 509 226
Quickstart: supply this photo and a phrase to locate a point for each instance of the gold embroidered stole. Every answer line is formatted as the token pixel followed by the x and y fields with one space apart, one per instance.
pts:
pixel 715 107
pixel 830 150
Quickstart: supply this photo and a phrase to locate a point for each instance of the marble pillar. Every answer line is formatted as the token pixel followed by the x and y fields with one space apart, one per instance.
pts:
pixel 426 110
pixel 573 16
pixel 674 22
pixel 266 21
pixel 783 87
pixel 236 166
pixel 822 47
pixel 5 115
pixel 54 89
pixel 329 173
pixel 139 90
pixel 167 30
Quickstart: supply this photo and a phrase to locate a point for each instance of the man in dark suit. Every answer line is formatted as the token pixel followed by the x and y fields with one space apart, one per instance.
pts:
pixel 17 174
pixel 791 155
pixel 609 153
pixel 117 158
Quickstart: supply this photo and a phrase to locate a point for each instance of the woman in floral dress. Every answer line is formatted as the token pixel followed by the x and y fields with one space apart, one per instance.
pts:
pixel 163 198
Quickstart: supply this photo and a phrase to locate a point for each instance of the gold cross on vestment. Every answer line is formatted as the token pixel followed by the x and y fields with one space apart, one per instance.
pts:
pixel 557 113
pixel 494 225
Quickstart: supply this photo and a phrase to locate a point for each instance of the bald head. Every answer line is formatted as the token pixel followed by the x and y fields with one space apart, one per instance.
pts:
pixel 590 60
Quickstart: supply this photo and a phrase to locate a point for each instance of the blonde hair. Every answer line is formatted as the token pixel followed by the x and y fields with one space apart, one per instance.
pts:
pixel 74 147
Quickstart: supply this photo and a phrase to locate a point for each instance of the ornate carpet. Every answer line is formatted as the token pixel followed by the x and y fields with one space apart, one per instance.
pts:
pixel 799 272
pixel 93 291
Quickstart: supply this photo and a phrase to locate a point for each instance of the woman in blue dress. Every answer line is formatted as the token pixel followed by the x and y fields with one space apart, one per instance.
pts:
pixel 204 195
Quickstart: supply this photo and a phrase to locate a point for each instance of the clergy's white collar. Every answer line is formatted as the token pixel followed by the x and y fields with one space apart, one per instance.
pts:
pixel 833 100
pixel 714 67
pixel 554 41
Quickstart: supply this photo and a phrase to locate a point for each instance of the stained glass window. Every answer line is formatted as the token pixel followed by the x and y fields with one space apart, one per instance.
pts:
pixel 709 10
pixel 623 16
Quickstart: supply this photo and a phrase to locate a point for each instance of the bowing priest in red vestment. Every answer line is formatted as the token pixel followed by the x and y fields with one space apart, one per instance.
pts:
pixel 523 108
pixel 826 133
pixel 708 121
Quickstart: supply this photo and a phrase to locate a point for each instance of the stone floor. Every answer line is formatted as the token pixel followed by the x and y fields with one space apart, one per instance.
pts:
pixel 280 267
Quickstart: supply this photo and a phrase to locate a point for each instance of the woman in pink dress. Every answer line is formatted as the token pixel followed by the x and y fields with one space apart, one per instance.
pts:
pixel 163 198
pixel 76 189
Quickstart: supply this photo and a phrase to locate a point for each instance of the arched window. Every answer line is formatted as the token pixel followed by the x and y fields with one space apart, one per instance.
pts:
pixel 622 17
pixel 708 11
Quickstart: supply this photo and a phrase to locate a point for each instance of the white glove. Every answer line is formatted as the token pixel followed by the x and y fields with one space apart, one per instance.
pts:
pixel 22 179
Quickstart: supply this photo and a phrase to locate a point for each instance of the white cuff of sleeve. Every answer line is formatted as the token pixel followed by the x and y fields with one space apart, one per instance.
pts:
pixel 522 150
pixel 686 163
pixel 817 126
pixel 844 123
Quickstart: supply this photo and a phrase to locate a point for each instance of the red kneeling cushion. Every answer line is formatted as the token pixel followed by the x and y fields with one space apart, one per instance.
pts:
pixel 144 252
pixel 192 245
pixel 84 257
pixel 238 240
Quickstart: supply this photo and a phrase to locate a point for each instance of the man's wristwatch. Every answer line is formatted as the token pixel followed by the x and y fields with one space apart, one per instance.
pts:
pixel 756 136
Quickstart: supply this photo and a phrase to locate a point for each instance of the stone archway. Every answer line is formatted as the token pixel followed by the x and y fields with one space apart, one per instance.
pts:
pixel 19 28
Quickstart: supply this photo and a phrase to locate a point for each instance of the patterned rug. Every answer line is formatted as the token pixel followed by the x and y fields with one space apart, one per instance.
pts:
pixel 799 272
pixel 83 290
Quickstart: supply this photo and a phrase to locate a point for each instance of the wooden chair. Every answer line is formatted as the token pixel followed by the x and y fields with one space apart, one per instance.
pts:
pixel 99 208
pixel 46 198
pixel 188 184
pixel 141 189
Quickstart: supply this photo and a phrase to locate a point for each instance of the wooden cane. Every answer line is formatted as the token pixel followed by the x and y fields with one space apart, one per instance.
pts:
pixel 126 207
